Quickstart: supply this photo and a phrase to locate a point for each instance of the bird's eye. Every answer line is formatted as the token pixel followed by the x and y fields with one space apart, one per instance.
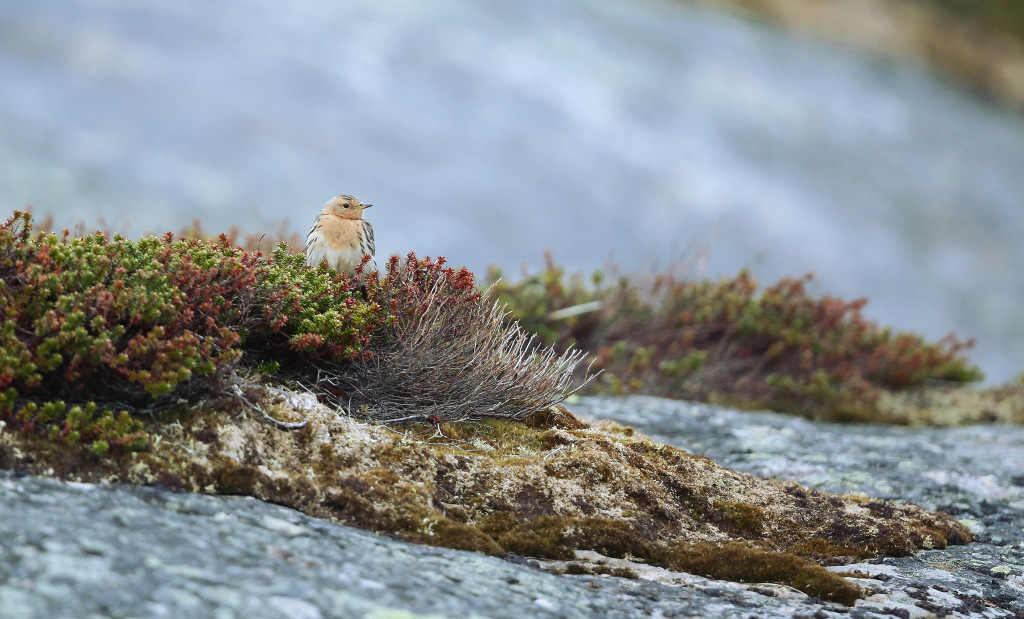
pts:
pixel 345 205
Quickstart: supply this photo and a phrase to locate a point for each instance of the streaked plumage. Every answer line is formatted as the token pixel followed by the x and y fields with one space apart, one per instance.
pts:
pixel 340 236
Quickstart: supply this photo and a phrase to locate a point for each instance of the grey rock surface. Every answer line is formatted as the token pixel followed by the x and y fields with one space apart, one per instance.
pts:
pixel 975 473
pixel 81 550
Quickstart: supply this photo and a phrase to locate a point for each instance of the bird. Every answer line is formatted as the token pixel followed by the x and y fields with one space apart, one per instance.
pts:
pixel 341 236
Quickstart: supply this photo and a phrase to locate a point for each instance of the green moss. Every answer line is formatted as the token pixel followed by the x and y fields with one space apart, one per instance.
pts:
pixel 613 538
pixel 378 500
pixel 558 537
pixel 507 436
pixel 509 440
pixel 543 538
pixel 450 534
pixel 745 519
pixel 237 479
pixel 578 569
pixel 739 563
pixel 554 417
pixel 825 552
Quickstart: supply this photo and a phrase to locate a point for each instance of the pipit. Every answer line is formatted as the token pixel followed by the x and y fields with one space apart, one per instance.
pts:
pixel 341 236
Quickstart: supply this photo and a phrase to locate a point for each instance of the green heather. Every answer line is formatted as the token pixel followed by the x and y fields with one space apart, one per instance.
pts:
pixel 96 326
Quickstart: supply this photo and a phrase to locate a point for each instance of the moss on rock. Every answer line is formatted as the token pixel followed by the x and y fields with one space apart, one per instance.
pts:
pixel 739 563
pixel 548 488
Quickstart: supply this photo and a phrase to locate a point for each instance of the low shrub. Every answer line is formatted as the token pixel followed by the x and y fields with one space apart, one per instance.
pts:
pixel 93 325
pixel 316 312
pixel 730 340
pixel 122 320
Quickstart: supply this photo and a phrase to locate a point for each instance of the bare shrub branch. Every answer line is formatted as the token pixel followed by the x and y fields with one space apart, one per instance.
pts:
pixel 236 390
pixel 454 358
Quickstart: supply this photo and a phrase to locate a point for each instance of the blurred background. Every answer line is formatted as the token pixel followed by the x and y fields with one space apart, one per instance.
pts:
pixel 487 131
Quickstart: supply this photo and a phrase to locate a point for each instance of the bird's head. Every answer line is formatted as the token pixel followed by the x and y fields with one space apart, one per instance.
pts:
pixel 346 207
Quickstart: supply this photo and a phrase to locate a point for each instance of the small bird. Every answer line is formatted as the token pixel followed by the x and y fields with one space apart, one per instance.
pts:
pixel 341 236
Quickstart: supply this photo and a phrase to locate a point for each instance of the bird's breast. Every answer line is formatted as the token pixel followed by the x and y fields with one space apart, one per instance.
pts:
pixel 341 233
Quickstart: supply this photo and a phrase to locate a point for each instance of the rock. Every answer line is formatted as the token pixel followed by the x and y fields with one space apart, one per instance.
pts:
pixel 970 472
pixel 121 550
pixel 543 489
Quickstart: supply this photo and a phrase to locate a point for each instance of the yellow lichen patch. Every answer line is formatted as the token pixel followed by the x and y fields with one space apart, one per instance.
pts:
pixel 547 488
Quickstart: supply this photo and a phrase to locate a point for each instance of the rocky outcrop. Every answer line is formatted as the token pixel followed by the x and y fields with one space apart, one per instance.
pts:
pixel 131 550
pixel 975 473
pixel 72 549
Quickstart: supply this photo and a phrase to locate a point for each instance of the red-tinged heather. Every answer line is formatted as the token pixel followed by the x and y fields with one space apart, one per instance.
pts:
pixel 728 340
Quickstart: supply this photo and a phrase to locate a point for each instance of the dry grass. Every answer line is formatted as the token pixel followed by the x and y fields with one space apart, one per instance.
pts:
pixel 452 360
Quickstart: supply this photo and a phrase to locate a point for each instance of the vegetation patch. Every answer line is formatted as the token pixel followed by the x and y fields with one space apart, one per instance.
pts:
pixel 952 405
pixel 417 341
pixel 731 342
pixel 740 563
pixel 588 569
pixel 97 330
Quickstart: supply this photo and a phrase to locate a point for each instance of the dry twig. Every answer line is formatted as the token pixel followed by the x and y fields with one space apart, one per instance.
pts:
pixel 283 425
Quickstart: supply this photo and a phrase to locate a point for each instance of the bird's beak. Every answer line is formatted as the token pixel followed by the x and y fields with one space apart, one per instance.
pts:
pixel 365 205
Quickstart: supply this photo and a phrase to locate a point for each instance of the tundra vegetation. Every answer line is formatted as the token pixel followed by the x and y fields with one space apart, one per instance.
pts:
pixel 730 341
pixel 406 402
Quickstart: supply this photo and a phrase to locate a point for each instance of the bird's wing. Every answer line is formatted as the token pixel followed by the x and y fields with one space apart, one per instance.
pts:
pixel 367 246
pixel 313 228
